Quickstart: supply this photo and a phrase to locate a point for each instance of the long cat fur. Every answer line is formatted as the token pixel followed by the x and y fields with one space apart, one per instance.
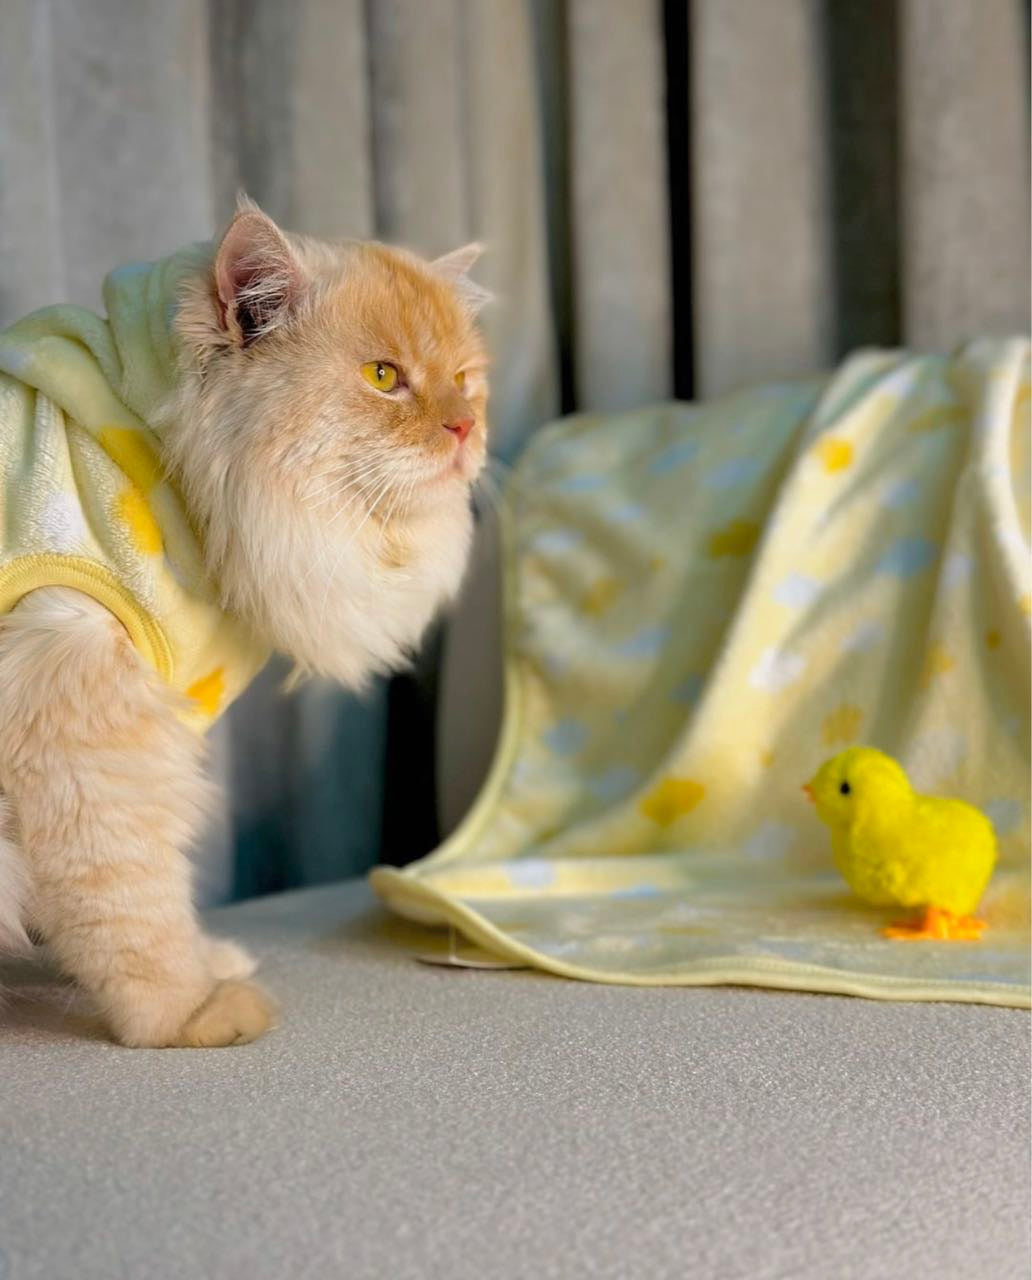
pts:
pixel 336 521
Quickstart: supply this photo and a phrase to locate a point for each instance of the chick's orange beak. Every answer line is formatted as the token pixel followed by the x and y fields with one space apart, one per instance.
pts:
pixel 808 792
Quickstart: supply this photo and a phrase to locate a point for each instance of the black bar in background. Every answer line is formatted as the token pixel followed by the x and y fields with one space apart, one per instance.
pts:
pixel 552 57
pixel 862 123
pixel 410 827
pixel 677 34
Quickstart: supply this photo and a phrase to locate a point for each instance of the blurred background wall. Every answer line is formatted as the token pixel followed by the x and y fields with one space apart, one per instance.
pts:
pixel 679 196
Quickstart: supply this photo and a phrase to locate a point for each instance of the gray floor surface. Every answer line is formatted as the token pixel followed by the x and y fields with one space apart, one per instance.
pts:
pixel 410 1121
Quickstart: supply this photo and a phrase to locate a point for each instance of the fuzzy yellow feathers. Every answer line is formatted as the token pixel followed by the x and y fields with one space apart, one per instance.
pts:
pixel 898 848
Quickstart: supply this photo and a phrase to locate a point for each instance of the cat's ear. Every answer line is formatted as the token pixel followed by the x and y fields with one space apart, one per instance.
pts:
pixel 455 267
pixel 460 261
pixel 258 279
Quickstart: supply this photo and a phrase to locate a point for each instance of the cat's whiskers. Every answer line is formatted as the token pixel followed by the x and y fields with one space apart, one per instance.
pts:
pixel 363 490
pixel 387 475
pixel 343 481
pixel 338 472
pixel 381 493
pixel 352 486
pixel 331 495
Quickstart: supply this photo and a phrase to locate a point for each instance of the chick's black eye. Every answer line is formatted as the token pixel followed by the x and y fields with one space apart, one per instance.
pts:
pixel 845 788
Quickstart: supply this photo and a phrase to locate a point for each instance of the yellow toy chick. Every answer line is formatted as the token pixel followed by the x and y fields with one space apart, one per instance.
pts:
pixel 896 847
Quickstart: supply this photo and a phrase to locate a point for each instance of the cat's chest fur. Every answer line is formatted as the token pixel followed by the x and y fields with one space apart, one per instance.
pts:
pixel 388 588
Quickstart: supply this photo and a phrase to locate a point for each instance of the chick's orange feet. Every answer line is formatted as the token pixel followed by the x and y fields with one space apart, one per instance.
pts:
pixel 937 925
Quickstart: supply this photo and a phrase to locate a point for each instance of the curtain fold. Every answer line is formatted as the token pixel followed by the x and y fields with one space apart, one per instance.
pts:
pixel 621 253
pixel 811 174
pixel 965 169
pixel 289 119
pixel 760 192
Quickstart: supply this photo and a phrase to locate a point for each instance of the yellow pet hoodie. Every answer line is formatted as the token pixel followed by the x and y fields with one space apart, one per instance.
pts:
pixel 84 501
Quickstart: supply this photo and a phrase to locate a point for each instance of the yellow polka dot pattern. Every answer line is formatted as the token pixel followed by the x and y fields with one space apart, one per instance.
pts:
pixel 938 662
pixel 209 691
pixel 132 510
pixel 601 595
pixel 673 798
pixel 133 454
pixel 842 725
pixel 734 539
pixel 835 454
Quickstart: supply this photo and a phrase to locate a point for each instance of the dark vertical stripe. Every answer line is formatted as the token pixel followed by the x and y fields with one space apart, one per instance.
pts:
pixel 410 827
pixel 261 829
pixel 861 81
pixel 677 34
pixel 551 50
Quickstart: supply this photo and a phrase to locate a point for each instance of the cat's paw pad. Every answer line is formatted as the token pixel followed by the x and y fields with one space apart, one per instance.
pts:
pixel 234 1013
pixel 226 959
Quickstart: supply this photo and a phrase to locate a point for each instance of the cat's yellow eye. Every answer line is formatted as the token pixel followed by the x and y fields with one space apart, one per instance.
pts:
pixel 460 380
pixel 382 376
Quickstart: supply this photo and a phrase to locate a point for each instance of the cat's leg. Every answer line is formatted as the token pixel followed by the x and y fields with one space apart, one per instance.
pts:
pixel 108 790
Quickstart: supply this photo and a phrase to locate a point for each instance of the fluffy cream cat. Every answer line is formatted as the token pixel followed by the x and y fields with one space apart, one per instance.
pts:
pixel 325 424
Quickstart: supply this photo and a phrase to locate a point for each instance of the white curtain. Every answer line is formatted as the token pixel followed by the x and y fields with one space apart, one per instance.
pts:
pixel 848 171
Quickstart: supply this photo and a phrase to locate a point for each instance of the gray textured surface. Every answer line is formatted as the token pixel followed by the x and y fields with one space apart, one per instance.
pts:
pixel 408 1121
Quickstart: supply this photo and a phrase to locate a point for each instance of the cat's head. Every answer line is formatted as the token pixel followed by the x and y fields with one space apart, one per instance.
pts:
pixel 330 422
pixel 360 362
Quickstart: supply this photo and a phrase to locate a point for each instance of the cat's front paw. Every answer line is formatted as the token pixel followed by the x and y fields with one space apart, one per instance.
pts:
pixel 234 1013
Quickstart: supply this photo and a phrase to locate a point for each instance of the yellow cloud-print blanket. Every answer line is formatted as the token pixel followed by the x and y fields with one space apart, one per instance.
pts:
pixel 704 602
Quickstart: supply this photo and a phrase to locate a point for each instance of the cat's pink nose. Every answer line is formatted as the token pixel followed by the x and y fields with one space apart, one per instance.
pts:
pixel 460 428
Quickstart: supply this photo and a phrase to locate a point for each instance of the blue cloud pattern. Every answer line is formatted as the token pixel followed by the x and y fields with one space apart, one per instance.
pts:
pixel 566 737
pixel 908 557
pixel 673 457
